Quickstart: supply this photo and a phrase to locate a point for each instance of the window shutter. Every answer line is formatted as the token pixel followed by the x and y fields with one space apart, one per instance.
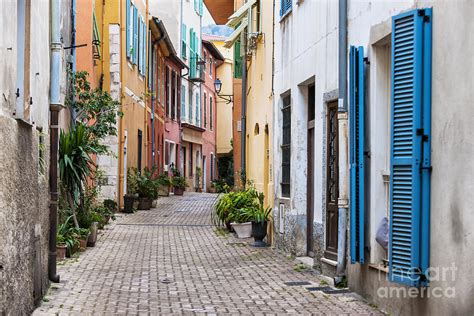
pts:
pixel 410 147
pixel 144 47
pixel 183 39
pixel 135 35
pixel 357 144
pixel 140 37
pixel 183 103
pixel 200 7
pixel 127 26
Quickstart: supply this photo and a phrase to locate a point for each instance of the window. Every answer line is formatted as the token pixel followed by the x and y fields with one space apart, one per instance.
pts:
pixel 129 28
pixel 285 7
pixel 211 115
pixel 286 147
pixel 23 100
pixel 139 149
pixel 211 64
pixel 198 111
pixel 173 95
pixel 135 36
pixel 193 53
pixel 205 110
pixel 183 102
pixel 167 92
pixel 410 158
pixel 198 6
pixel 183 41
pixel 95 38
pixel 190 104
pixel 212 166
pixel 237 61
pixel 204 68
pixel 159 81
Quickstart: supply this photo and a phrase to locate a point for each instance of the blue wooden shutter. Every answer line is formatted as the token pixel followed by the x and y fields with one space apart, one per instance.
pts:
pixel 357 144
pixel 410 147
pixel 183 41
pixel 127 28
pixel 135 35
pixel 140 48
pixel 144 37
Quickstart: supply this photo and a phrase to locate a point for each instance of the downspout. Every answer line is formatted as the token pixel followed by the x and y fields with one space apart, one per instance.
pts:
pixel 73 55
pixel 243 136
pixel 54 108
pixel 343 200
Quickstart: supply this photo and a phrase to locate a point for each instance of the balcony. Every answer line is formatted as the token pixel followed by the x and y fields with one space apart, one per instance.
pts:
pixel 196 69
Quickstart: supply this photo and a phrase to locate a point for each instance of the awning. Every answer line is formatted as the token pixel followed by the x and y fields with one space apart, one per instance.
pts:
pixel 240 14
pixel 236 34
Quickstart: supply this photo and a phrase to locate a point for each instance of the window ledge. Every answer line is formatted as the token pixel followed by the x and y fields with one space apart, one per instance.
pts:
pixel 287 13
pixel 379 267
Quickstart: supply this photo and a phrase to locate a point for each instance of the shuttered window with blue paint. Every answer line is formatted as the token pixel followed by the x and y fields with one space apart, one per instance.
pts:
pixel 410 147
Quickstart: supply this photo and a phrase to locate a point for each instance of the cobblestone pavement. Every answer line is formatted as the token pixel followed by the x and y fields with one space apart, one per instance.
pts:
pixel 170 260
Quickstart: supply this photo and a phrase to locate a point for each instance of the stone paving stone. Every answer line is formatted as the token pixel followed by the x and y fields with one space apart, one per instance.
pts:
pixel 170 261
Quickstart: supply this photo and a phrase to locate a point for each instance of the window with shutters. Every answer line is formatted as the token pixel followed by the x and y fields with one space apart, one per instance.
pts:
pixel 410 161
pixel 286 147
pixel 183 102
pixel 237 61
pixel 135 35
pixel 357 163
pixel 205 109
pixel 167 92
pixel 183 41
pixel 211 114
pixel 285 7
pixel 129 29
pixel 173 95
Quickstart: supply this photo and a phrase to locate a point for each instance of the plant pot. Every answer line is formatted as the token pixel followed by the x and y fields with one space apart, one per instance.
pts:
pixel 229 227
pixel 163 190
pixel 83 243
pixel 153 203
pixel 107 219
pixel 211 190
pixel 144 203
pixel 178 191
pixel 243 230
pixel 199 190
pixel 128 203
pixel 259 231
pixel 60 252
pixel 93 235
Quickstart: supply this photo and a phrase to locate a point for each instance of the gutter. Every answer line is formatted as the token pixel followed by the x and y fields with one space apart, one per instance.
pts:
pixel 54 108
pixel 243 139
pixel 343 200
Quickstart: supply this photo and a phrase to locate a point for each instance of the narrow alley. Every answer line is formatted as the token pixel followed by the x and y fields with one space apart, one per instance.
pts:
pixel 171 260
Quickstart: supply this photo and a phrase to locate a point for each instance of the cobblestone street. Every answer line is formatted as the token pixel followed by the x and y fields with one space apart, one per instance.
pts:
pixel 171 260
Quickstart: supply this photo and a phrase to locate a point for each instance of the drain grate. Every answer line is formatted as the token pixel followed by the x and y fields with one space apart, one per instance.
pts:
pixel 318 288
pixel 328 290
pixel 296 283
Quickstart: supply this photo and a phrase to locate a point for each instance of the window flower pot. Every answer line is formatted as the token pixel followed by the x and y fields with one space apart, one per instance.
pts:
pixel 259 231
pixel 243 230
pixel 83 244
pixel 60 252
pixel 128 203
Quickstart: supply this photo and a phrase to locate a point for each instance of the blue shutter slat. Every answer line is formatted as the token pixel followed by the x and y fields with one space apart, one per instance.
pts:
pixel 409 243
pixel 127 28
pixel 357 103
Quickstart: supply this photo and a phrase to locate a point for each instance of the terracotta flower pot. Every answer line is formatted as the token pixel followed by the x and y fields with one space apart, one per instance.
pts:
pixel 83 244
pixel 60 252
pixel 163 190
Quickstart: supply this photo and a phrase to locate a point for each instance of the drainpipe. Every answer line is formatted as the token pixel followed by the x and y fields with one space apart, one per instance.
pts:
pixel 343 200
pixel 54 108
pixel 244 108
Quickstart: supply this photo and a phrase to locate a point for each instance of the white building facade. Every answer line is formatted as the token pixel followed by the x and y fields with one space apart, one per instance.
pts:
pixel 396 163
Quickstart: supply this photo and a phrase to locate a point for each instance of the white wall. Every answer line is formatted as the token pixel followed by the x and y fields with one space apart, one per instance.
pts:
pixel 305 42
pixel 452 149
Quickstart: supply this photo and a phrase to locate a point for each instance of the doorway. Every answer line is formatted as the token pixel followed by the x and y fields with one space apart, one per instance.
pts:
pixel 310 173
pixel 332 181
pixel 204 173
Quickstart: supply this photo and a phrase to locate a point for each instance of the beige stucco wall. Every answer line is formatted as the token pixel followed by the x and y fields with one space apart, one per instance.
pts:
pixel 259 158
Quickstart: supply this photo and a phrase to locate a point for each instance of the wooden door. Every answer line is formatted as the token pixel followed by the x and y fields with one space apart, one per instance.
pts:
pixel 310 174
pixel 332 182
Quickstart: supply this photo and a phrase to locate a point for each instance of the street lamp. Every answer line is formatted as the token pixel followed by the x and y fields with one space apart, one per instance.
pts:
pixel 218 87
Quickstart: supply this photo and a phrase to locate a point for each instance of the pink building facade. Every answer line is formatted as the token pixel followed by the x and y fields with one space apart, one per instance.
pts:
pixel 212 59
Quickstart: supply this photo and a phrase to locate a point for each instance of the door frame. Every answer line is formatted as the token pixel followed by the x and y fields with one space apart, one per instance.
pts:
pixel 310 170
pixel 331 252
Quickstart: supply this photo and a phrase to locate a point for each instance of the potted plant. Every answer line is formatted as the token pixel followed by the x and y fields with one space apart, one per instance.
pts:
pixel 240 223
pixel 146 190
pixel 198 179
pixel 164 183
pixel 83 235
pixel 260 216
pixel 92 239
pixel 222 210
pixel 132 190
pixel 60 247
pixel 178 182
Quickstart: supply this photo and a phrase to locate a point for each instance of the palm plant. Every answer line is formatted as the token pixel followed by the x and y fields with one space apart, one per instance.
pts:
pixel 75 163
